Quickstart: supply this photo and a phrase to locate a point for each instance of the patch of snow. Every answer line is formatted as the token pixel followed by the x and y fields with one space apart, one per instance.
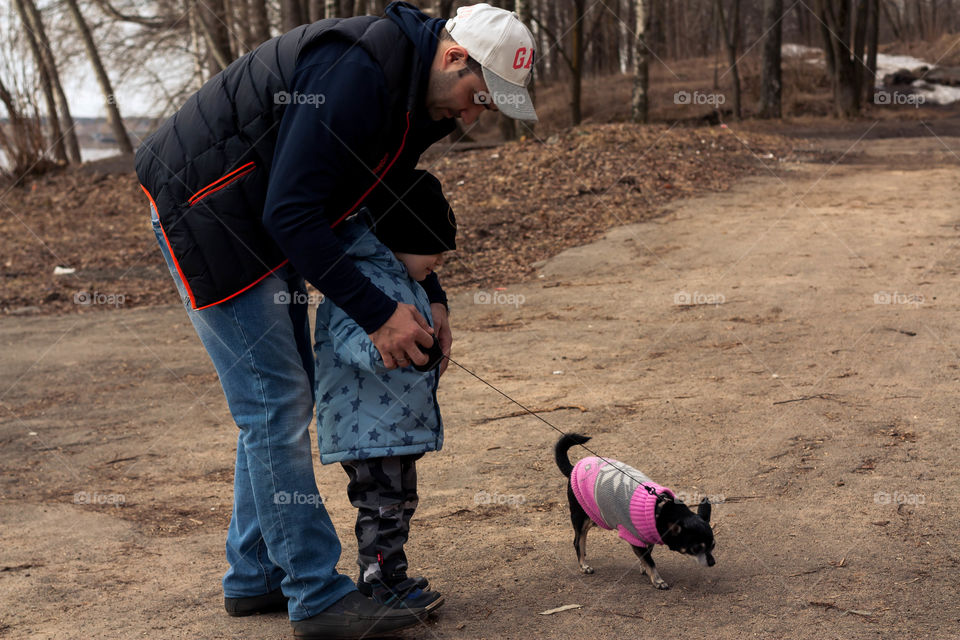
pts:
pixel 886 64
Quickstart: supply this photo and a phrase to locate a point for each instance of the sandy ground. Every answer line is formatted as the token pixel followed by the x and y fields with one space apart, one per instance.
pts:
pixel 811 394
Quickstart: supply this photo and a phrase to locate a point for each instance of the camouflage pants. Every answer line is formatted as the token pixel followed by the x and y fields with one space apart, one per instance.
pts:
pixel 384 491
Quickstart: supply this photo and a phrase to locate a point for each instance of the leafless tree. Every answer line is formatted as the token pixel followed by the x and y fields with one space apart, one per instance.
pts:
pixel 771 79
pixel 109 99
pixel 731 41
pixel 639 106
pixel 34 22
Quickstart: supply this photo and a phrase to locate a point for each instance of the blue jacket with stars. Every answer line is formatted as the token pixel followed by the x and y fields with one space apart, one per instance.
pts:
pixel 363 409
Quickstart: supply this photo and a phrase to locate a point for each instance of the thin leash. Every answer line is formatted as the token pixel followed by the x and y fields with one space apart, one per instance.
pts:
pixel 650 490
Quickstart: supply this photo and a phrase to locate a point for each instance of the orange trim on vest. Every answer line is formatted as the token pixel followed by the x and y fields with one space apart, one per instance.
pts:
pixel 230 177
pixel 186 285
pixel 379 177
pixel 233 295
pixel 234 175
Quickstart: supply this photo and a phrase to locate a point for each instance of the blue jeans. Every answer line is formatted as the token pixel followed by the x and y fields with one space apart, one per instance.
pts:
pixel 280 534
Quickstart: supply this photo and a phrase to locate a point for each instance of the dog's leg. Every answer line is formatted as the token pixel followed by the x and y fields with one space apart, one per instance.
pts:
pixel 581 524
pixel 649 566
pixel 580 542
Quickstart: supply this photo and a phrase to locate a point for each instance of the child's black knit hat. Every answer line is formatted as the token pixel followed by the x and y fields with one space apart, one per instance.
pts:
pixel 421 222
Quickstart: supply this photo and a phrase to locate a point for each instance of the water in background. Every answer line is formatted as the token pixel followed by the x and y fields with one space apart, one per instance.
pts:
pixel 86 153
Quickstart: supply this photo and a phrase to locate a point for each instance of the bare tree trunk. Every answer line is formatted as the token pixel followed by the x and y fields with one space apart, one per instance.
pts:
pixel 238 14
pixel 259 22
pixel 835 26
pixel 771 85
pixel 46 85
pixel 576 68
pixel 359 7
pixel 109 99
pixel 331 9
pixel 893 20
pixel 18 150
pixel 213 23
pixel 35 24
pixel 873 43
pixel 290 17
pixel 731 37
pixel 196 37
pixel 315 10
pixel 639 104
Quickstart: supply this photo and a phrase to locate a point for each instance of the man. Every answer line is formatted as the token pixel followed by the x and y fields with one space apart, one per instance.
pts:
pixel 246 182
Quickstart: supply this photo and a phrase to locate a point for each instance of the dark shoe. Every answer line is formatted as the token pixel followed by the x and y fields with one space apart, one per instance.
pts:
pixel 355 616
pixel 407 595
pixel 366 588
pixel 272 602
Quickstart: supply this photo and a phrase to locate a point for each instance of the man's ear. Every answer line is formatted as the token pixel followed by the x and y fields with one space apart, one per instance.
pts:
pixel 454 58
pixel 704 510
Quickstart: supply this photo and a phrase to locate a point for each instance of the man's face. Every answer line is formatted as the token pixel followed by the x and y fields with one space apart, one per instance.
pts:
pixel 453 89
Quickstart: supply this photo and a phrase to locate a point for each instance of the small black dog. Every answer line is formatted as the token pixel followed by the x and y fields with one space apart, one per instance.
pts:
pixel 611 495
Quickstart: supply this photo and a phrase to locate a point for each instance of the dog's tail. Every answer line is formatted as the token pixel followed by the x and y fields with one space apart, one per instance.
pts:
pixel 563 445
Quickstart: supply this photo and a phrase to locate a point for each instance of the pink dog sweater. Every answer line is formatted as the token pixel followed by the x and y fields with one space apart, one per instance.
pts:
pixel 615 496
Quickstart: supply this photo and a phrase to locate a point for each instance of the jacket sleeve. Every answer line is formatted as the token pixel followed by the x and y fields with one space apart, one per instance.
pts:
pixel 435 293
pixel 337 104
pixel 350 342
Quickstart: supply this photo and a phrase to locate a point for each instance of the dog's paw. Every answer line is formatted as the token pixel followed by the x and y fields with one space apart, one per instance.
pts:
pixel 585 568
pixel 661 584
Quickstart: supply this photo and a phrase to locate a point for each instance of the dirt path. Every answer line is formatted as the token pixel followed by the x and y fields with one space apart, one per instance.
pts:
pixel 813 395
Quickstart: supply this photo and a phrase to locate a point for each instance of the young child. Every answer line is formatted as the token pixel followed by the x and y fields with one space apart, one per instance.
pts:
pixel 376 422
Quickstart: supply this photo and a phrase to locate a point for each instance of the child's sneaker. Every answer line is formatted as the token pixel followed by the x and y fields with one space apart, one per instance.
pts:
pixel 366 588
pixel 407 594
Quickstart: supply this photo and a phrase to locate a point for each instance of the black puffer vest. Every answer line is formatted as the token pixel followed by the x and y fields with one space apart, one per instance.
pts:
pixel 206 168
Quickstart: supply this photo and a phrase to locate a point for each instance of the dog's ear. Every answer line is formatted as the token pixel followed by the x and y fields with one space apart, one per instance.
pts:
pixel 704 510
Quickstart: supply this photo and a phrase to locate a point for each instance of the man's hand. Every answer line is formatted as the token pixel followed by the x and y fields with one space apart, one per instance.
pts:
pixel 441 325
pixel 398 338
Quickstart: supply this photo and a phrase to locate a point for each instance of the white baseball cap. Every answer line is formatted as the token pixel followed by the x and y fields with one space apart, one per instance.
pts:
pixel 502 44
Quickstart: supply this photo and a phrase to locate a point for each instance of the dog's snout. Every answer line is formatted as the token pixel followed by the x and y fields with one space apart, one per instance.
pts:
pixel 706 560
